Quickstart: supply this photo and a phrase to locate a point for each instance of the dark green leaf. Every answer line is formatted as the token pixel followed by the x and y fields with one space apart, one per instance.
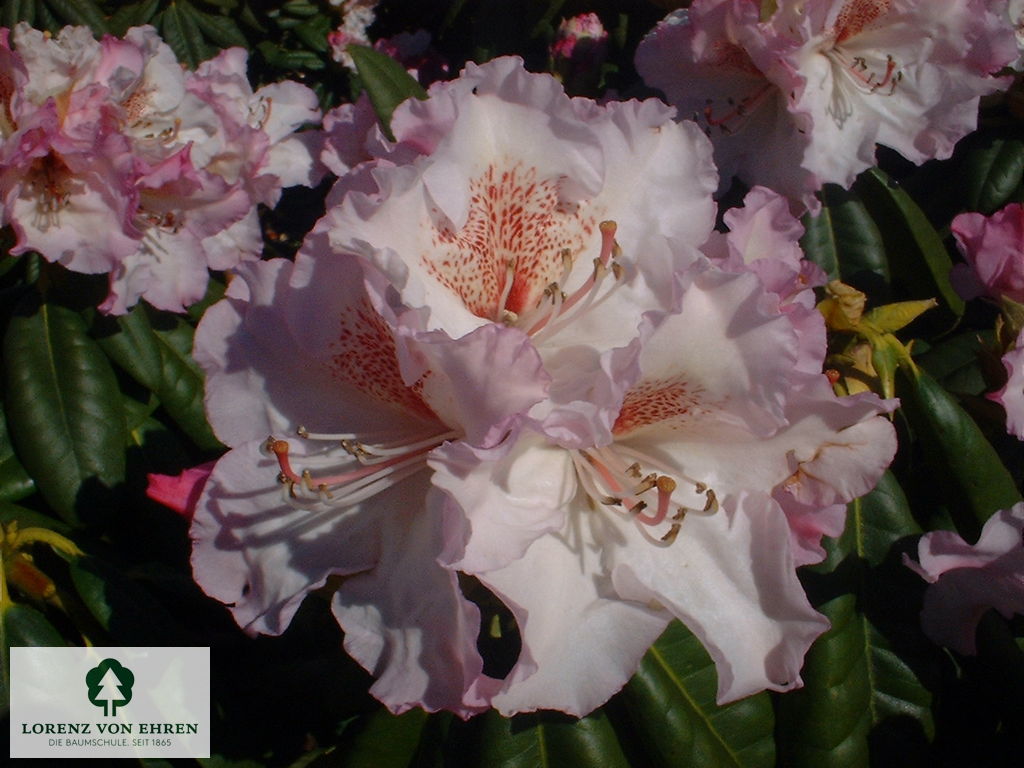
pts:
pixel 222 30
pixel 21 625
pixel 993 168
pixel 14 11
pixel 181 32
pixel 123 606
pixel 15 482
pixel 844 241
pixel 313 33
pixel 28 518
pixel 63 406
pixel 160 360
pixel 915 250
pixel 382 740
pixel 672 702
pixel 862 702
pixel 134 15
pixel 960 463
pixel 542 740
pixel 80 12
pixel 953 362
pixel 282 58
pixel 385 81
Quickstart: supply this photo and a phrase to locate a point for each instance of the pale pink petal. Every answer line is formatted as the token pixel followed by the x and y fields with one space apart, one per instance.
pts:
pixel 967 579
pixel 407 622
pixel 1011 396
pixel 581 641
pixel 994 249
pixel 730 578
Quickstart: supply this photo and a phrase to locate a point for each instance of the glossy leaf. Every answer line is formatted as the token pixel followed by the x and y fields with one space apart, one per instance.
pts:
pixel 15 482
pixel 80 12
pixel 382 740
pixel 862 703
pixel 915 250
pixel 844 240
pixel 221 30
pixel 133 15
pixel 123 606
pixel 160 360
pixel 954 361
pixel 21 625
pixel 993 168
pixel 63 407
pixel 959 460
pixel 671 701
pixel 542 740
pixel 181 32
pixel 385 81
pixel 14 11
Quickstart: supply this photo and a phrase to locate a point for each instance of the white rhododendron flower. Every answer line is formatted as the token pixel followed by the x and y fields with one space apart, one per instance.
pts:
pixel 801 98
pixel 966 580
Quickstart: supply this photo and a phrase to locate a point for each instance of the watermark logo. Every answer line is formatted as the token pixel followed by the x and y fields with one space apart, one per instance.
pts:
pixel 110 685
pixel 110 702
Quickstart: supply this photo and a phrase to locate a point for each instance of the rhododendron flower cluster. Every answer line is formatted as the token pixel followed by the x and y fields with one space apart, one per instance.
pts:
pixel 967 580
pixel 503 354
pixel 800 98
pixel 113 159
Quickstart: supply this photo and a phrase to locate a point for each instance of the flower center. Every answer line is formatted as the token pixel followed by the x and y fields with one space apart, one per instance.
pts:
pixel 555 309
pixel 642 489
pixel 345 470
pixel 49 185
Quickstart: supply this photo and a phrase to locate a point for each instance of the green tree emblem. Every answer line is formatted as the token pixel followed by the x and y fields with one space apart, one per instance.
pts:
pixel 110 685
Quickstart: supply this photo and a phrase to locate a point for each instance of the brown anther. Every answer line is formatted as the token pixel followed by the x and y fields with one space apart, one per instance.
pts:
pixel 669 537
pixel 610 501
pixel 307 478
pixel 617 270
pixel 637 508
pixel 680 513
pixel 700 487
pixel 666 484
pixel 712 503
pixel 322 488
pixel 646 484
pixel 633 469
pixel 302 432
pixel 282 478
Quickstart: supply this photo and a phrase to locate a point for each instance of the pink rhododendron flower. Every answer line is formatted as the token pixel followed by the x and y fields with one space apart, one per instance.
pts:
pixel 993 247
pixel 801 98
pixel 356 18
pixel 341 488
pixel 114 159
pixel 967 580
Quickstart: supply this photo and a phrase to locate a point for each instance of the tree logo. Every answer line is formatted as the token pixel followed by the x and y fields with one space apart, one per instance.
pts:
pixel 110 685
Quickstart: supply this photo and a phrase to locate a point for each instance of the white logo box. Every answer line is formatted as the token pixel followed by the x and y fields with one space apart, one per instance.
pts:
pixel 139 702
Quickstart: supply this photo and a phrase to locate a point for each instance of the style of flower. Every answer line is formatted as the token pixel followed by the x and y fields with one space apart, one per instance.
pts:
pixel 967 580
pixel 815 86
pixel 340 489
pixel 113 159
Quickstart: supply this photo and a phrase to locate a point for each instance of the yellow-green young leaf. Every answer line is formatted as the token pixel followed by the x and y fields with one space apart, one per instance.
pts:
pixel 886 354
pixel 671 702
pixel 892 317
pixel 64 409
pixel 857 685
pixel 385 81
